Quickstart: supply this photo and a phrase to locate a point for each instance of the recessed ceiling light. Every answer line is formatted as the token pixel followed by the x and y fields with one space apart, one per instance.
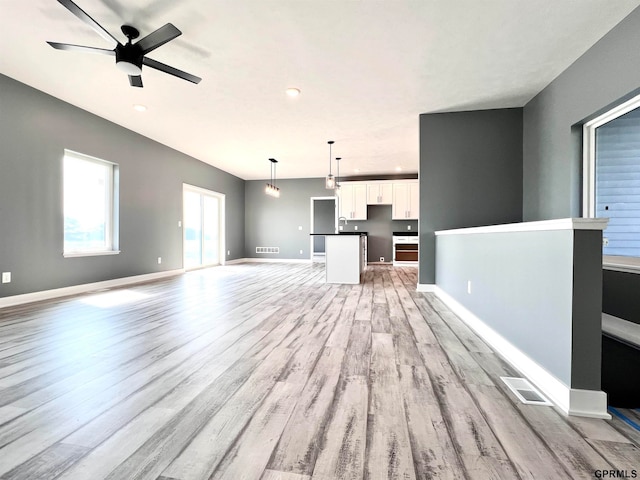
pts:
pixel 357 170
pixel 139 108
pixel 398 169
pixel 293 92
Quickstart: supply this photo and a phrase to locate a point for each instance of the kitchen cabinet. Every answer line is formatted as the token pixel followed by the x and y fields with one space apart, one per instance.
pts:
pixel 344 261
pixel 406 203
pixel 379 194
pixel 353 201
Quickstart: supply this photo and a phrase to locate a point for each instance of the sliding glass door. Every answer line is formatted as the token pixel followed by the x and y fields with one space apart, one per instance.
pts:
pixel 203 227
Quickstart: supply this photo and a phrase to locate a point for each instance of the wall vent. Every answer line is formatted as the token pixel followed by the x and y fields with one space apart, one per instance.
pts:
pixel 267 249
pixel 525 391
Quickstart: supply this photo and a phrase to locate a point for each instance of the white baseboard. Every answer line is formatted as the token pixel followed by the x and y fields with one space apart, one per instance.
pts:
pixel 588 403
pixel 273 260
pixel 86 287
pixel 236 261
pixel 426 287
pixel 583 403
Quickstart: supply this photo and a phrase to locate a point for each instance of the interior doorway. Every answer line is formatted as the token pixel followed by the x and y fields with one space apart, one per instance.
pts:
pixel 324 218
pixel 203 218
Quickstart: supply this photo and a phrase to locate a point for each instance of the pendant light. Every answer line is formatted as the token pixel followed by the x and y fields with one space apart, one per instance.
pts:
pixel 338 173
pixel 330 182
pixel 271 188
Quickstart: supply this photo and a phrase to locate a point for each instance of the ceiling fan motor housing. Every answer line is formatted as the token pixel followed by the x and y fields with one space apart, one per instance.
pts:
pixel 129 59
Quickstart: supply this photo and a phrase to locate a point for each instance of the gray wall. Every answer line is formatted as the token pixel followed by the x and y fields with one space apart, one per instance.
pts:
pixel 522 286
pixel 470 174
pixel 606 73
pixel 586 340
pixel 274 222
pixel 324 221
pixel 35 128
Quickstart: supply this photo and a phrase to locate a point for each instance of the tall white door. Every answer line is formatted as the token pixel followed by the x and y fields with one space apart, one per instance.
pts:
pixel 203 227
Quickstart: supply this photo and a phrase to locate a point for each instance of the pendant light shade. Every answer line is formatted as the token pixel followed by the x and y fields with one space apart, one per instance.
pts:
pixel 330 182
pixel 271 188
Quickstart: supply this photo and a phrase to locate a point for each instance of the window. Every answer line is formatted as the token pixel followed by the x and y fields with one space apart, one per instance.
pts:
pixel 612 180
pixel 90 205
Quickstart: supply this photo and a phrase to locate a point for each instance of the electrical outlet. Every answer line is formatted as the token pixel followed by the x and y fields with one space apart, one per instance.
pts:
pixel 382 259
pixel 408 227
pixel 469 287
pixel 341 227
pixel 159 260
pixel 228 252
pixel 356 227
pixel 179 223
pixel 605 242
pixel 299 227
pixel 300 252
pixel 6 277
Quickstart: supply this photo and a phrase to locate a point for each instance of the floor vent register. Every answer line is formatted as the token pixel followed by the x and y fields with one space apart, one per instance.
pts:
pixel 267 249
pixel 525 391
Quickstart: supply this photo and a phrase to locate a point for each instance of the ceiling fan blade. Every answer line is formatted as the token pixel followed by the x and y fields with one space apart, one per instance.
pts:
pixel 80 48
pixel 82 15
pixel 157 38
pixel 135 81
pixel 170 70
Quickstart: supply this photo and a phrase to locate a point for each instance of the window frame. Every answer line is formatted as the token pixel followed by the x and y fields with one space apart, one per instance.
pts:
pixel 112 203
pixel 609 262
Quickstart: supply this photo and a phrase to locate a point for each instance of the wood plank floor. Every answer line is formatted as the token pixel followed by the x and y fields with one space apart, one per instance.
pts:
pixel 262 371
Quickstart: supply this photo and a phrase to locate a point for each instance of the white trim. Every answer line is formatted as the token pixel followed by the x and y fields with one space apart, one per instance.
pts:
pixel 236 261
pixel 621 264
pixel 585 403
pixel 588 403
pixel 426 287
pixel 276 260
pixel 621 329
pixel 589 155
pixel 268 260
pixel 614 113
pixel 90 254
pixel 86 287
pixel 544 225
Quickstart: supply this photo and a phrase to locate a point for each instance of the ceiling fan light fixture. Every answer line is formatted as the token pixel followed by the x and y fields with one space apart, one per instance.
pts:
pixel 129 68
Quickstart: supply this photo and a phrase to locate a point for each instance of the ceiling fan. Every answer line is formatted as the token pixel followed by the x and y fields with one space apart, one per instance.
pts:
pixel 131 56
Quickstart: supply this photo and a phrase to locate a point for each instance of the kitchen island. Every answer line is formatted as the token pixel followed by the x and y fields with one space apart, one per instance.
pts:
pixel 345 256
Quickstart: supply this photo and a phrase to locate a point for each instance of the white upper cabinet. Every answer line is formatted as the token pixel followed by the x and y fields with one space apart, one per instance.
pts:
pixel 353 201
pixel 379 193
pixel 406 201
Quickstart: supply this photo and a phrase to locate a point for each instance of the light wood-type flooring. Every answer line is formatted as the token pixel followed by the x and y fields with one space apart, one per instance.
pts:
pixel 263 371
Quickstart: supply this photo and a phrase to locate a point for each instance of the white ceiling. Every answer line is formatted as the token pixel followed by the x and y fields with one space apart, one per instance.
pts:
pixel 366 70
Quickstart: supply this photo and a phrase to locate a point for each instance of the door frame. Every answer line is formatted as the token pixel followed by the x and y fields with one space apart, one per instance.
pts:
pixel 335 219
pixel 186 187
